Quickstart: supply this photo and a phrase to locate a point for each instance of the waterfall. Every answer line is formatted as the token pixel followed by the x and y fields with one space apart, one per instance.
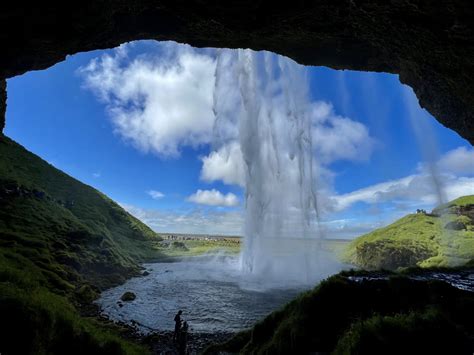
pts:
pixel 268 97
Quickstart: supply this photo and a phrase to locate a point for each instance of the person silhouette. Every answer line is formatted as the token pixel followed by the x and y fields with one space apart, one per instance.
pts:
pixel 177 325
pixel 183 339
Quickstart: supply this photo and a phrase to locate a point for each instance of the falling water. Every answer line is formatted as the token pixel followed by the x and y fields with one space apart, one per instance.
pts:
pixel 274 120
pixel 424 134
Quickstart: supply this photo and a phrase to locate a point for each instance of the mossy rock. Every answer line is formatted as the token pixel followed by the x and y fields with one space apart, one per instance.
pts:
pixel 178 245
pixel 455 226
pixel 128 296
pixel 86 294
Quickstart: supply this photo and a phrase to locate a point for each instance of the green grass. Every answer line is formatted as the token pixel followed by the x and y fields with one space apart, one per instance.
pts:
pixel 61 242
pixel 459 202
pixel 395 316
pixel 198 247
pixel 419 240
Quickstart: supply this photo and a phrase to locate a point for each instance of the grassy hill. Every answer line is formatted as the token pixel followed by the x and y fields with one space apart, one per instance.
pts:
pixel 443 238
pixel 61 242
pixel 342 316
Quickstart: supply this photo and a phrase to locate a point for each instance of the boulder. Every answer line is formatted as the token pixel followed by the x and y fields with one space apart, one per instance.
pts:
pixel 455 226
pixel 128 296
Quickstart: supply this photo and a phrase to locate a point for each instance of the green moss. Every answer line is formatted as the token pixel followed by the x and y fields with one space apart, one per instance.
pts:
pixel 424 332
pixel 418 240
pixel 198 247
pixel 38 322
pixel 459 202
pixel 66 227
pixel 341 314
pixel 60 243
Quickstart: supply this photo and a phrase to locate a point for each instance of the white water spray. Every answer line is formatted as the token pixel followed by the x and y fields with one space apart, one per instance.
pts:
pixel 274 115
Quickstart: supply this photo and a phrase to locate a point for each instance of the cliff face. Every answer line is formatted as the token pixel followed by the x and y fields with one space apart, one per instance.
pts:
pixel 3 103
pixel 430 44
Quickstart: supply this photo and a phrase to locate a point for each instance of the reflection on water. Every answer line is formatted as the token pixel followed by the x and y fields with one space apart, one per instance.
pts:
pixel 212 292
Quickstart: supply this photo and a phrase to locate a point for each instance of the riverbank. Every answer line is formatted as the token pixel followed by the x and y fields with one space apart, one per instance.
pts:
pixel 160 342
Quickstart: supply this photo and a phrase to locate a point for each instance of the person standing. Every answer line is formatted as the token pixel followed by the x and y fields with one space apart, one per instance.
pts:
pixel 177 325
pixel 183 339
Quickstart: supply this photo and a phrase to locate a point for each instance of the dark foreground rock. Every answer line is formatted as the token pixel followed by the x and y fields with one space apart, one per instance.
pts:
pixel 128 296
pixel 162 342
pixel 392 314
pixel 428 43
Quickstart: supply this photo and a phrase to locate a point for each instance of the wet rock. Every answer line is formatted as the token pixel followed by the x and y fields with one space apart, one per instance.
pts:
pixel 145 273
pixel 455 225
pixel 128 296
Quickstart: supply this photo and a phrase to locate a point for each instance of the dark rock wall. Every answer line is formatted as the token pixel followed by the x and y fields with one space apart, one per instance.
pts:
pixel 3 103
pixel 429 43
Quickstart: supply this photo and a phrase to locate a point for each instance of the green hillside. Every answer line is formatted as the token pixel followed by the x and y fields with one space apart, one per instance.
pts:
pixel 61 242
pixel 396 315
pixel 443 238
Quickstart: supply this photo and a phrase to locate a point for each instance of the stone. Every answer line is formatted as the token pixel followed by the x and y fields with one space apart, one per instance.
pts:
pixel 145 273
pixel 455 226
pixel 128 296
pixel 3 103
pixel 429 44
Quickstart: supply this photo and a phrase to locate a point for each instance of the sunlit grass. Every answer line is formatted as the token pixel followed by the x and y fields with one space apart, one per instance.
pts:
pixel 418 240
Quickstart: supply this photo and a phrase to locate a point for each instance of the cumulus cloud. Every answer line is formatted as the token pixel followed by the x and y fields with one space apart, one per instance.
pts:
pixel 338 138
pixel 156 195
pixel 225 164
pixel 157 104
pixel 165 102
pixel 213 198
pixel 458 161
pixel 418 188
pixel 196 220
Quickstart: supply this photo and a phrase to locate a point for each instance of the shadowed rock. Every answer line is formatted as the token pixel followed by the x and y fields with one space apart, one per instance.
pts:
pixel 430 44
pixel 128 296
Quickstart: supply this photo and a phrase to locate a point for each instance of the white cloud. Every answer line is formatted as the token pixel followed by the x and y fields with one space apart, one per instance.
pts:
pixel 420 188
pixel 96 175
pixel 160 104
pixel 225 164
pixel 156 195
pixel 213 198
pixel 338 138
pixel 165 102
pixel 196 220
pixel 458 161
pixel 415 189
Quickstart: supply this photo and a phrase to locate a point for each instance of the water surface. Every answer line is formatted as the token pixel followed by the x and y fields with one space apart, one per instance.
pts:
pixel 212 292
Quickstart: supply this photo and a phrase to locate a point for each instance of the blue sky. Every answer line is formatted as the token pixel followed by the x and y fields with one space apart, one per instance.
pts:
pixel 128 122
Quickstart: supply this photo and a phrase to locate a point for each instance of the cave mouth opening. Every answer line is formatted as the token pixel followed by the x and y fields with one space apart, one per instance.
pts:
pixel 154 101
pixel 138 123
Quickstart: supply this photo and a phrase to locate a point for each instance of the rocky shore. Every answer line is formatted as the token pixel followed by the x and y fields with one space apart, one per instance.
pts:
pixel 161 342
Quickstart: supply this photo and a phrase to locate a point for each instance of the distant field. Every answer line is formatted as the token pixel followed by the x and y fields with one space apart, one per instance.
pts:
pixel 181 245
